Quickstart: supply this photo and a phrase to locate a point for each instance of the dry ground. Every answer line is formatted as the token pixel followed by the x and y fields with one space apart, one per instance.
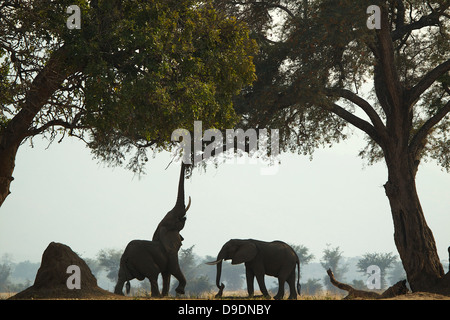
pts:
pixel 242 295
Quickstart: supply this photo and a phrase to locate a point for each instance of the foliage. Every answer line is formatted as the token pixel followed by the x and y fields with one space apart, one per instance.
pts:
pixel 331 259
pixel 383 260
pixel 109 259
pixel 189 264
pixel 397 272
pixel 5 271
pixel 303 253
pixel 94 265
pixel 318 57
pixel 322 72
pixel 133 73
pixel 311 287
pixel 359 284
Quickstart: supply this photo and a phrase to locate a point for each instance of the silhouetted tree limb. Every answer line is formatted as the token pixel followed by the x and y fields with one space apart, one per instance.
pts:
pixel 397 289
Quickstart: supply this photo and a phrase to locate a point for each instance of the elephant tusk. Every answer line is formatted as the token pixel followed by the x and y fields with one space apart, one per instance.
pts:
pixel 189 204
pixel 214 262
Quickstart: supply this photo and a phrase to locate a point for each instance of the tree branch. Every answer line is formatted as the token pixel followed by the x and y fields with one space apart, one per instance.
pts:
pixel 425 21
pixel 400 18
pixel 366 107
pixel 418 141
pixel 268 5
pixel 386 56
pixel 53 123
pixel 357 122
pixel 414 93
pixel 397 289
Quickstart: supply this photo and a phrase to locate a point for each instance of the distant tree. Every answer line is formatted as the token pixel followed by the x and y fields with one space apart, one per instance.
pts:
pixel 5 272
pixel 303 253
pixel 189 263
pixel 26 270
pixel 109 259
pixel 359 284
pixel 397 272
pixel 312 287
pixel 94 265
pixel 200 284
pixel 383 260
pixel 331 259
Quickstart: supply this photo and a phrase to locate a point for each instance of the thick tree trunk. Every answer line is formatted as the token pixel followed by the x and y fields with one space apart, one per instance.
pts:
pixel 413 238
pixel 46 82
pixel 7 163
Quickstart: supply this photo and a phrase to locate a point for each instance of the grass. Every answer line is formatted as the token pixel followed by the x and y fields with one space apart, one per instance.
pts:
pixel 239 295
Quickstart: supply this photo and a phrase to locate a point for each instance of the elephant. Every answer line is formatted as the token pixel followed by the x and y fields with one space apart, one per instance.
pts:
pixel 274 258
pixel 147 259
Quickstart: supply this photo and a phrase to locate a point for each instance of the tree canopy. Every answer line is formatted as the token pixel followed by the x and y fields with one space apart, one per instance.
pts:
pixel 133 73
pixel 321 72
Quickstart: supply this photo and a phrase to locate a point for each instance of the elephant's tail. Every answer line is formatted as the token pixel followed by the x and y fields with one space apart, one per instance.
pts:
pixel 299 287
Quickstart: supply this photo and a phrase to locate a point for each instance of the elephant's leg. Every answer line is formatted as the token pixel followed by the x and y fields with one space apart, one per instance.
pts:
pixel 280 293
pixel 118 289
pixel 181 280
pixel 250 277
pixel 292 289
pixel 262 284
pixel 154 285
pixel 166 283
pixel 174 269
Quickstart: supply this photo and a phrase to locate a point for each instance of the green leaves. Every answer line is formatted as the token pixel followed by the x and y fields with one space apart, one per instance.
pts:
pixel 144 69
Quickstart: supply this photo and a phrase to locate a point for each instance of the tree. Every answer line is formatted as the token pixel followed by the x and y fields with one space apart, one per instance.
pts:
pixel 331 260
pixel 25 270
pixel 133 73
pixel 94 266
pixel 189 263
pixel 5 272
pixel 383 260
pixel 317 59
pixel 397 272
pixel 312 287
pixel 109 259
pixel 303 253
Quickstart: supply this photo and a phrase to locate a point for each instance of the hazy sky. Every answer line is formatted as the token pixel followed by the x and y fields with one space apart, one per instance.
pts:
pixel 61 194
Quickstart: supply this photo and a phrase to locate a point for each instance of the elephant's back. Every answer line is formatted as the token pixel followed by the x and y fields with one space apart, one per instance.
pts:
pixel 282 251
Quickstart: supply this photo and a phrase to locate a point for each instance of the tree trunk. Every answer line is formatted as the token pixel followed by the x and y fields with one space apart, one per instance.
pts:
pixel 7 163
pixel 46 82
pixel 413 238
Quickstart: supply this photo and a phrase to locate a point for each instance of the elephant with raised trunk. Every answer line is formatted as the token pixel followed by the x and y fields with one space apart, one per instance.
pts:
pixel 147 259
pixel 274 258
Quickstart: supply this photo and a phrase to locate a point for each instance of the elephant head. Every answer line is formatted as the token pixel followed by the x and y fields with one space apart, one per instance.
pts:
pixel 168 230
pixel 239 251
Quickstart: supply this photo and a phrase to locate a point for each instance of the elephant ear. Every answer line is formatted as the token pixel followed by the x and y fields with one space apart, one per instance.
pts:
pixel 245 253
pixel 170 239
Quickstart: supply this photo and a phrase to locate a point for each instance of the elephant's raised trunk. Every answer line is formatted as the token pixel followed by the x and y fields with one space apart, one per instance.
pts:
pixel 180 196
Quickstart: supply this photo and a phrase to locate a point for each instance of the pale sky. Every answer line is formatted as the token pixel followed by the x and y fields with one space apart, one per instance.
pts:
pixel 61 194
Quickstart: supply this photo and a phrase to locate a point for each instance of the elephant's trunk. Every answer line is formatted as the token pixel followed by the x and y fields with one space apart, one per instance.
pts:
pixel 218 262
pixel 219 285
pixel 180 196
